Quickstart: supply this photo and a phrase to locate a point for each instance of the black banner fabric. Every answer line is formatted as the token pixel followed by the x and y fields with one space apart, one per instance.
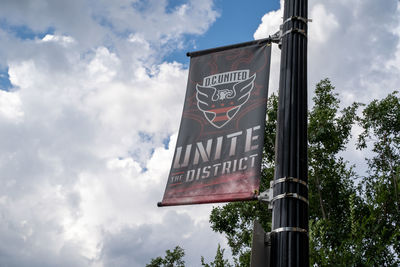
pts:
pixel 219 148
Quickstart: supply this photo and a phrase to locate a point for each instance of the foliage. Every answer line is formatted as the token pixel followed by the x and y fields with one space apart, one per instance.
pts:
pixel 350 225
pixel 330 179
pixel 172 259
pixel 380 230
pixel 219 260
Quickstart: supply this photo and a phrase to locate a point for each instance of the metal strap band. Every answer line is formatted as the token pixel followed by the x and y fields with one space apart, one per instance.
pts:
pixel 289 229
pixel 295 30
pixel 291 195
pixel 288 179
pixel 302 19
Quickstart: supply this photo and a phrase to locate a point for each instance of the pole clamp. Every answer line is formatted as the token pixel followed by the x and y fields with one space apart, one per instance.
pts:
pixel 295 30
pixel 290 229
pixel 302 19
pixel 288 179
pixel 289 195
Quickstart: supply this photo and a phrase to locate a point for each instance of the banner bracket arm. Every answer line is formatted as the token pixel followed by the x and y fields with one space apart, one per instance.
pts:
pixel 267 40
pixel 276 37
pixel 266 197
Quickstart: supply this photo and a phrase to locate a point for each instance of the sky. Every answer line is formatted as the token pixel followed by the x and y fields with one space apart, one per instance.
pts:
pixel 91 95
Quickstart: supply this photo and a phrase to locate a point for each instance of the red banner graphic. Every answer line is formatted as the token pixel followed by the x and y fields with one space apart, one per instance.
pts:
pixel 219 148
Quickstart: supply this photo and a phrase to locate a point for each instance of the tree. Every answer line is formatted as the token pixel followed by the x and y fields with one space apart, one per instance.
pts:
pixel 172 259
pixel 330 185
pixel 330 179
pixel 380 223
pixel 350 225
pixel 219 260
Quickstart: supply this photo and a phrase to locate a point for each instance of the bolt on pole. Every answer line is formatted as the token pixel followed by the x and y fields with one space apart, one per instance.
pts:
pixel 290 191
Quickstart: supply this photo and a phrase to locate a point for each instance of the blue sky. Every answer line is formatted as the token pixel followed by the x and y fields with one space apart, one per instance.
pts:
pixel 91 94
pixel 237 23
pixel 5 83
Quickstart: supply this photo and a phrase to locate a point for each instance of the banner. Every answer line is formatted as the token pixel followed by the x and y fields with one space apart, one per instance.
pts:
pixel 219 148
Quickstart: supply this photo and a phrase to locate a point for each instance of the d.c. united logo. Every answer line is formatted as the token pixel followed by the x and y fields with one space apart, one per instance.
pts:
pixel 221 95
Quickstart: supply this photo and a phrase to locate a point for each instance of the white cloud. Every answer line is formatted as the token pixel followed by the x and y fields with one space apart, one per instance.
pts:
pixel 354 43
pixel 270 25
pixel 63 40
pixel 393 64
pixel 102 68
pixel 356 47
pixel 26 78
pixel 324 23
pixel 90 122
pixel 131 246
pixel 10 106
pixel 96 108
pixel 358 44
pixel 84 130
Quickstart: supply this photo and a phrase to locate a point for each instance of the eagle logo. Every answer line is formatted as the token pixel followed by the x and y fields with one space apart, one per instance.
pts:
pixel 220 105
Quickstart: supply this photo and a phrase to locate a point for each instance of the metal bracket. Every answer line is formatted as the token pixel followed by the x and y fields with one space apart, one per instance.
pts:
pixel 261 247
pixel 267 239
pixel 276 37
pixel 266 196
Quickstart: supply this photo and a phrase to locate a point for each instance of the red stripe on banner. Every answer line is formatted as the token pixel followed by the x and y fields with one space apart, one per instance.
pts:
pixel 220 118
pixel 210 199
pixel 219 180
pixel 177 173
pixel 226 188
pixel 222 110
pixel 222 193
pixel 175 184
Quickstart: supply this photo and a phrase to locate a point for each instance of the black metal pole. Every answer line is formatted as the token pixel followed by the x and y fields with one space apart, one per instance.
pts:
pixel 290 192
